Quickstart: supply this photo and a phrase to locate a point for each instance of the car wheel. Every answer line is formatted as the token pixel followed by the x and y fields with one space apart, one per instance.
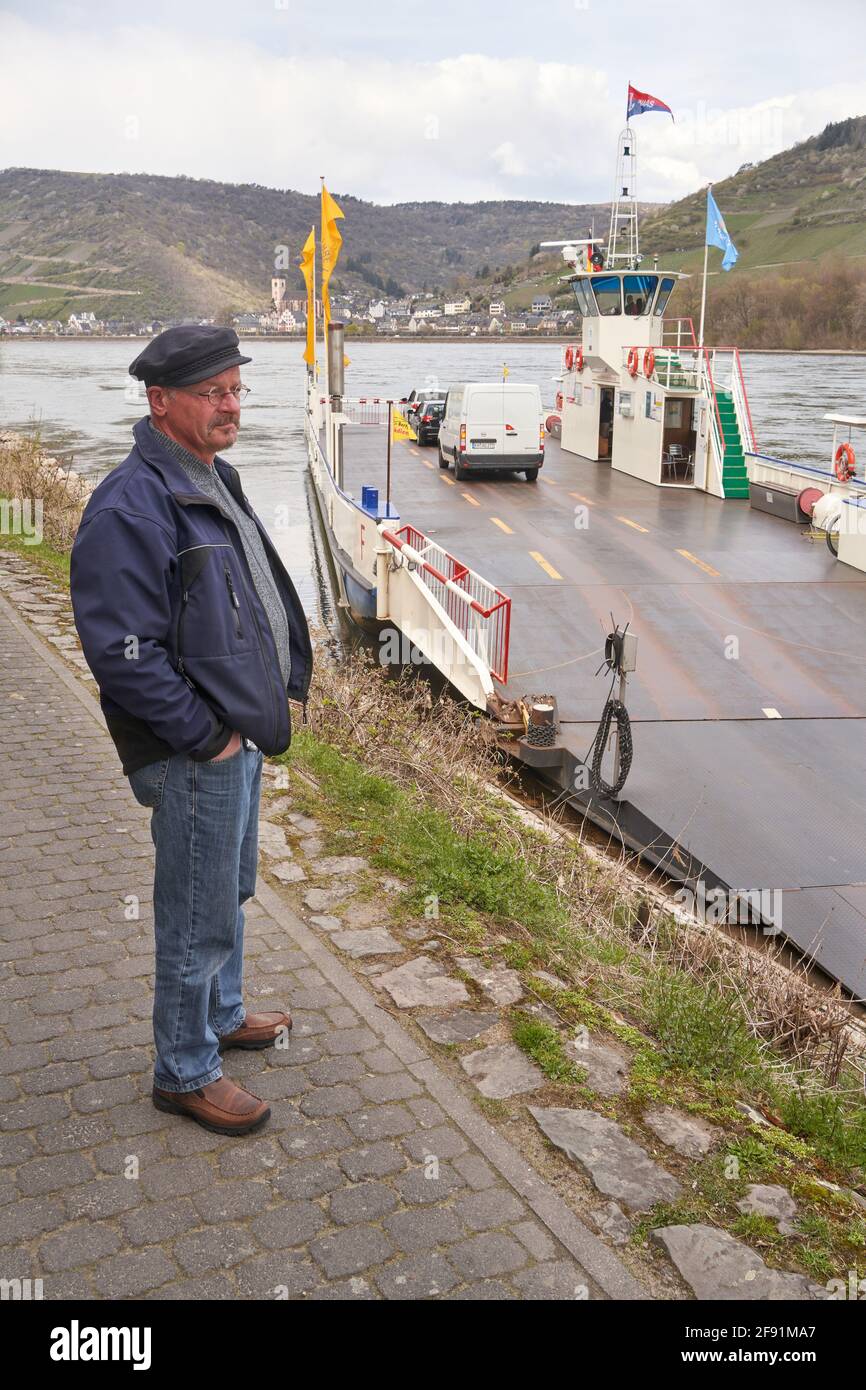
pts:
pixel 443 462
pixel 532 475
pixel 460 473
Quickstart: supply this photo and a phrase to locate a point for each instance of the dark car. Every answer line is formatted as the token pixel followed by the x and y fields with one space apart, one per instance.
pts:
pixel 416 399
pixel 426 421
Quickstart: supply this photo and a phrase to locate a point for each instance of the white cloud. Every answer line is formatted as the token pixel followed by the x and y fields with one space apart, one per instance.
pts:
pixel 388 128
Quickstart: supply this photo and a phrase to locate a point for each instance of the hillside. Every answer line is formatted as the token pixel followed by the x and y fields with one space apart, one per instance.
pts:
pixel 131 245
pixel 802 203
pixel 799 223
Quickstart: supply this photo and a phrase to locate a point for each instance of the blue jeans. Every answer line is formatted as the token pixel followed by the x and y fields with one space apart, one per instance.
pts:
pixel 204 826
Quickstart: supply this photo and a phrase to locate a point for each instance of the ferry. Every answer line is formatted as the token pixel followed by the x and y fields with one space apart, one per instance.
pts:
pixel 646 554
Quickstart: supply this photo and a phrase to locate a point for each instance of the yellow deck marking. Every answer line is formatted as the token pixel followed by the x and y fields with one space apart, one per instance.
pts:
pixel 771 713
pixel 443 478
pixel 470 498
pixel 701 564
pixel 625 521
pixel 427 463
pixel 580 497
pixel 548 568
pixel 545 479
pixel 501 524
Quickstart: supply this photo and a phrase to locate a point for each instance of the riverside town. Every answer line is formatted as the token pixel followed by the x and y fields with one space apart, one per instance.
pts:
pixel 432 641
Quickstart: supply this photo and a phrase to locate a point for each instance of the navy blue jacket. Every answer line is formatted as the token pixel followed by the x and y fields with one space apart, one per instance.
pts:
pixel 169 618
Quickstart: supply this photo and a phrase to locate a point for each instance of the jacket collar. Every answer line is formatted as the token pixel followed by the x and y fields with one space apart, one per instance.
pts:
pixel 176 479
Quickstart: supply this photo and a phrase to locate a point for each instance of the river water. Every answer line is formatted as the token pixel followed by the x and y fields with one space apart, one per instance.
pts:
pixel 80 395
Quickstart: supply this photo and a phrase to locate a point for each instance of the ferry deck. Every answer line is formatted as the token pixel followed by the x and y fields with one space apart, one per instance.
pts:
pixel 747 768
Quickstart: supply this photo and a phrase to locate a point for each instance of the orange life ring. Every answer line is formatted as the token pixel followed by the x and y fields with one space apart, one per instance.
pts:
pixel 578 361
pixel 632 363
pixel 559 400
pixel 649 361
pixel 569 358
pixel 844 462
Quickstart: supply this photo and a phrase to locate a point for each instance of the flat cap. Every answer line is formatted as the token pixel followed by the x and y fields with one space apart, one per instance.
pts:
pixel 186 354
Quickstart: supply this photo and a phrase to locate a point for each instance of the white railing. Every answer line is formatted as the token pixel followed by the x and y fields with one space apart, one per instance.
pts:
pixel 480 611
pixel 677 369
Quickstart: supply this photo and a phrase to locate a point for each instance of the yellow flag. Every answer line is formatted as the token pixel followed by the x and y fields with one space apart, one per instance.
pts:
pixel 400 427
pixel 331 243
pixel 308 257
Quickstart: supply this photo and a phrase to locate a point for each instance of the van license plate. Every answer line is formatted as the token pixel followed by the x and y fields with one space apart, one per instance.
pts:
pixel 483 443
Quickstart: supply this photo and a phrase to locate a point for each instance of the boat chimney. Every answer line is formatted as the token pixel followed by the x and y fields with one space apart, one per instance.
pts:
pixel 336 384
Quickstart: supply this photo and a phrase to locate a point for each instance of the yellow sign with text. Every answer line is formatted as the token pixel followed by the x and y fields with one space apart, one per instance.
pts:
pixel 400 427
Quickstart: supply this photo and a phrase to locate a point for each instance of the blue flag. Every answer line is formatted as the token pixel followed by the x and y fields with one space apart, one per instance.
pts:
pixel 718 234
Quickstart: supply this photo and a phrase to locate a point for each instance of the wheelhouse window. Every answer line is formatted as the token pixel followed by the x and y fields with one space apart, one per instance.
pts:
pixel 664 295
pixel 608 293
pixel 585 301
pixel 638 291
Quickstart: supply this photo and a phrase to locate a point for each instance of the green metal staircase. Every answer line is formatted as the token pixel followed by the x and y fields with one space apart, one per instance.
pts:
pixel 735 478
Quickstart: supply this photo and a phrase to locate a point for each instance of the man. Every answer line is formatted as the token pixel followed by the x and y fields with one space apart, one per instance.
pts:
pixel 197 639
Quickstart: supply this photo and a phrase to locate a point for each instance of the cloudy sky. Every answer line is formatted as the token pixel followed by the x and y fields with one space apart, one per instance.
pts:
pixel 461 99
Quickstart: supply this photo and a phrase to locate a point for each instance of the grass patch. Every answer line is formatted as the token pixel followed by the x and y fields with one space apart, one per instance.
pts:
pixel 700 1028
pixel 51 562
pixel 543 1043
pixel 419 843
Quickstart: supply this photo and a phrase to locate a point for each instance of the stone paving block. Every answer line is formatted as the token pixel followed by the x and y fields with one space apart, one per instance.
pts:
pixel 293 1223
pixel 442 1142
pixel 414 1230
pixel 494 1207
pixel 417 1277
pixel 310 1178
pixel 79 1245
pixel 381 1121
pixel 488 1254
pixel 51 1174
pixel 131 1275
pixel 560 1279
pixel 200 1251
pixel 232 1201
pixel 352 1250
pixel 279 1274
pixel 368 1201
pixel 428 1183
pixel 371 1161
pixel 155 1222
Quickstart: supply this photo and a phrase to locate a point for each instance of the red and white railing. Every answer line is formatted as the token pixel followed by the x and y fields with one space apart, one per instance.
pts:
pixel 678 333
pixel 480 612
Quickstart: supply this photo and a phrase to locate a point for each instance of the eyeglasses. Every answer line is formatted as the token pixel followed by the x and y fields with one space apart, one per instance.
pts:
pixel 215 395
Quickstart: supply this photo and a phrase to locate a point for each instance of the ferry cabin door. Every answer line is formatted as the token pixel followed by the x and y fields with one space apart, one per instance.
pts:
pixel 679 441
pixel 605 423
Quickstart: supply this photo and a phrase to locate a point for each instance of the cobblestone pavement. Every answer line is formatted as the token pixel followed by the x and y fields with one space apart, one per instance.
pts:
pixel 105 1197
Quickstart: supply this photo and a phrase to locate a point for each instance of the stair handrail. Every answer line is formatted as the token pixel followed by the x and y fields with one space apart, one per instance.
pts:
pixel 718 435
pixel 741 402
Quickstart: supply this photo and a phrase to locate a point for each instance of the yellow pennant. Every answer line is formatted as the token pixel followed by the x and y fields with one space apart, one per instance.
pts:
pixel 331 243
pixel 307 270
pixel 400 427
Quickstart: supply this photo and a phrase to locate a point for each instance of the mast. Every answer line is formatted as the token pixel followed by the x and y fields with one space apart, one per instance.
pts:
pixel 623 251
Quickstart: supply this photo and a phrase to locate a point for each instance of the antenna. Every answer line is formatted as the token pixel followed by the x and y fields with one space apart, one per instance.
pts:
pixel 622 241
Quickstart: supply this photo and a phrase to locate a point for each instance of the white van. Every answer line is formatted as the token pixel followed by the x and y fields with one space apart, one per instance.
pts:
pixel 492 425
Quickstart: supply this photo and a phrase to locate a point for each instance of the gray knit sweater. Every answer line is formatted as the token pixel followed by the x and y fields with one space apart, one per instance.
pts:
pixel 208 481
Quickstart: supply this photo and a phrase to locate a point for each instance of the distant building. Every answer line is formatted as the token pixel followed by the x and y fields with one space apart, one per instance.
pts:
pixel 456 306
pixel 541 304
pixel 85 322
pixel 279 285
pixel 497 308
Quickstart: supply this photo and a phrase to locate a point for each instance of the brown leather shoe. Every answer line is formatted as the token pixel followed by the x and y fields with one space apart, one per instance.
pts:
pixel 257 1030
pixel 221 1107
